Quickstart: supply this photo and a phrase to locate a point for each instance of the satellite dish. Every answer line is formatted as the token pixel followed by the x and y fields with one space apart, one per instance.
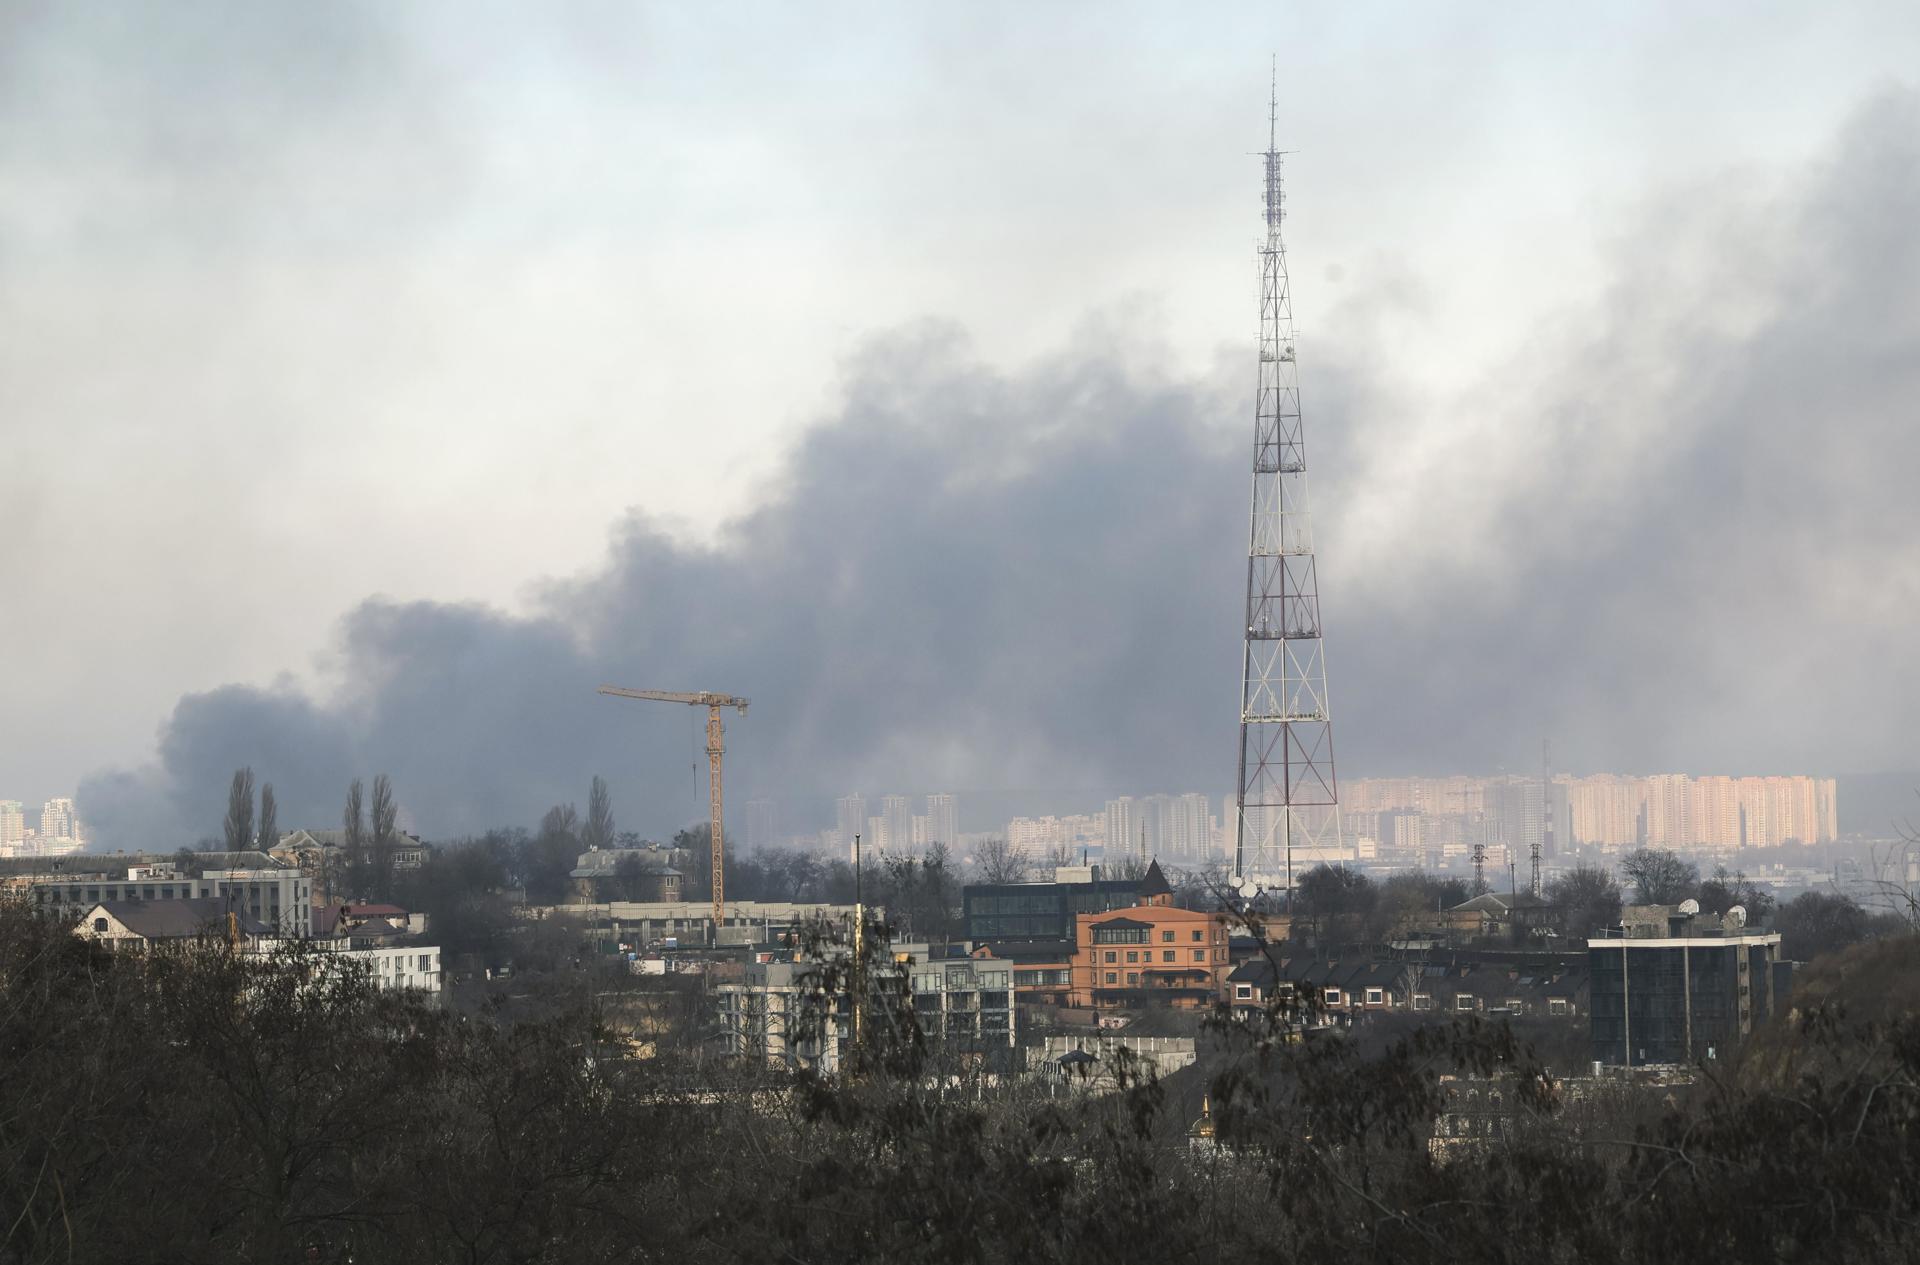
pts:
pixel 1737 915
pixel 1689 907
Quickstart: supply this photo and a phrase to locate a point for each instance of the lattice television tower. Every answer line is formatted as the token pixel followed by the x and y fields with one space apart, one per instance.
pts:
pixel 1286 795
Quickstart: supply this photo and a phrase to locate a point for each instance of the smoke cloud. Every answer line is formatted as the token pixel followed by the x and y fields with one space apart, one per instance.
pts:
pixel 1672 533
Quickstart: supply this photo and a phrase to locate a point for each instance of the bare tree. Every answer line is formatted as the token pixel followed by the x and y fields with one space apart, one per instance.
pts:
pixel 269 835
pixel 1722 891
pixel 598 833
pixel 999 862
pixel 1659 877
pixel 385 837
pixel 1060 854
pixel 354 840
pixel 239 823
pixel 1584 898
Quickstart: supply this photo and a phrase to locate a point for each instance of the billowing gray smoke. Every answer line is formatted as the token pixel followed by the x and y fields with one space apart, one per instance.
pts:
pixel 1674 534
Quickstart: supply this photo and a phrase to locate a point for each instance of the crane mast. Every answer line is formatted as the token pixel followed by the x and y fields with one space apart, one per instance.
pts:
pixel 716 747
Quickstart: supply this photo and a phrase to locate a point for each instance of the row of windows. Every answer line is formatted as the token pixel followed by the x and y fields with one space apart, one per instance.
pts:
pixel 1166 955
pixel 1143 935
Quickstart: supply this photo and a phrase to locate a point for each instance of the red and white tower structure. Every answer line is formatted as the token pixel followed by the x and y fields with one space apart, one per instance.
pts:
pixel 1287 796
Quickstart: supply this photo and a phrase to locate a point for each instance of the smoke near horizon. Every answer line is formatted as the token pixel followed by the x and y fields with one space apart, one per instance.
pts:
pixel 1671 533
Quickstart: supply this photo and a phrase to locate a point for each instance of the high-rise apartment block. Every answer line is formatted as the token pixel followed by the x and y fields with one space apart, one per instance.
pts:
pixel 13 825
pixel 1665 810
pixel 943 819
pixel 1125 834
pixel 1036 838
pixel 850 813
pixel 896 822
pixel 57 820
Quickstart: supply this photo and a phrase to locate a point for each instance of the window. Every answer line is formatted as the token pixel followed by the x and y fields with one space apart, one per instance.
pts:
pixel 1133 979
pixel 1112 956
pixel 1375 997
pixel 1558 1006
pixel 1517 1006
pixel 1243 992
pixel 1198 935
pixel 1119 935
pixel 1332 996
pixel 1166 937
pixel 1167 956
pixel 99 924
pixel 1199 955
pixel 1423 1001
pixel 1463 1001
pixel 1133 955
pixel 1112 978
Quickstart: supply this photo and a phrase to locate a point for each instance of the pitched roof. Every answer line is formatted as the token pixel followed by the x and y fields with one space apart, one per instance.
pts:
pixel 178 919
pixel 1154 883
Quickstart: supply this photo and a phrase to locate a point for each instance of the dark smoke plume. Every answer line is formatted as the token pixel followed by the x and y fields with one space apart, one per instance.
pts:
pixel 1672 535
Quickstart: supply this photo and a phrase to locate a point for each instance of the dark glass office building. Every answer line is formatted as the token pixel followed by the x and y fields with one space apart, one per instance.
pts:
pixel 1681 998
pixel 1040 911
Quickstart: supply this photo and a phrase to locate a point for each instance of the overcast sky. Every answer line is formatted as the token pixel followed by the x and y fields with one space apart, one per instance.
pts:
pixel 375 380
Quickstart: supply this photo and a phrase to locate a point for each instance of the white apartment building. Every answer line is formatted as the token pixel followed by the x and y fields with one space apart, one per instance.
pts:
pixel 58 820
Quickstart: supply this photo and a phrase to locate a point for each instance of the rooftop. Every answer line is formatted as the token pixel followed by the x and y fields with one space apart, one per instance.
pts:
pixel 176 919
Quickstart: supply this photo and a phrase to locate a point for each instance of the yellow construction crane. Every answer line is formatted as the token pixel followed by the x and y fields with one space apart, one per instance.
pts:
pixel 716 747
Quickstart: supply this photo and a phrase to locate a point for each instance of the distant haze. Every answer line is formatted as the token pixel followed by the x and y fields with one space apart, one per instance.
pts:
pixel 326 369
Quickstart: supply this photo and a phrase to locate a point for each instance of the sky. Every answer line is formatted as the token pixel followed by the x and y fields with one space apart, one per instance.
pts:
pixel 377 380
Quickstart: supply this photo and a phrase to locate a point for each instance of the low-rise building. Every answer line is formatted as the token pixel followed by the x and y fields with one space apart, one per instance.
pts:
pixel 625 874
pixel 1010 912
pixel 395 966
pixel 137 925
pixel 962 1005
pixel 253 883
pixel 1551 985
pixel 690 923
pixel 1150 953
pixel 1678 987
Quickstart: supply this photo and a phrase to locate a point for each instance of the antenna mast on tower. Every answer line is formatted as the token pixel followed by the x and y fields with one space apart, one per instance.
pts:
pixel 1286 794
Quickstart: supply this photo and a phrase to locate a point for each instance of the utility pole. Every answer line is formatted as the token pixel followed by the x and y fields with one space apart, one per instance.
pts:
pixel 1286 791
pixel 859 980
pixel 716 747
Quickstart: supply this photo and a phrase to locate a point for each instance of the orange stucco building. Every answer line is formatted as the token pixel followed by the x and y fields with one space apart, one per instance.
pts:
pixel 1149 954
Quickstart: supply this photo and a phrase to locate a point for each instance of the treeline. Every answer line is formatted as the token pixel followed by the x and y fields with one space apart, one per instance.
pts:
pixel 1340 902
pixel 198 1106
